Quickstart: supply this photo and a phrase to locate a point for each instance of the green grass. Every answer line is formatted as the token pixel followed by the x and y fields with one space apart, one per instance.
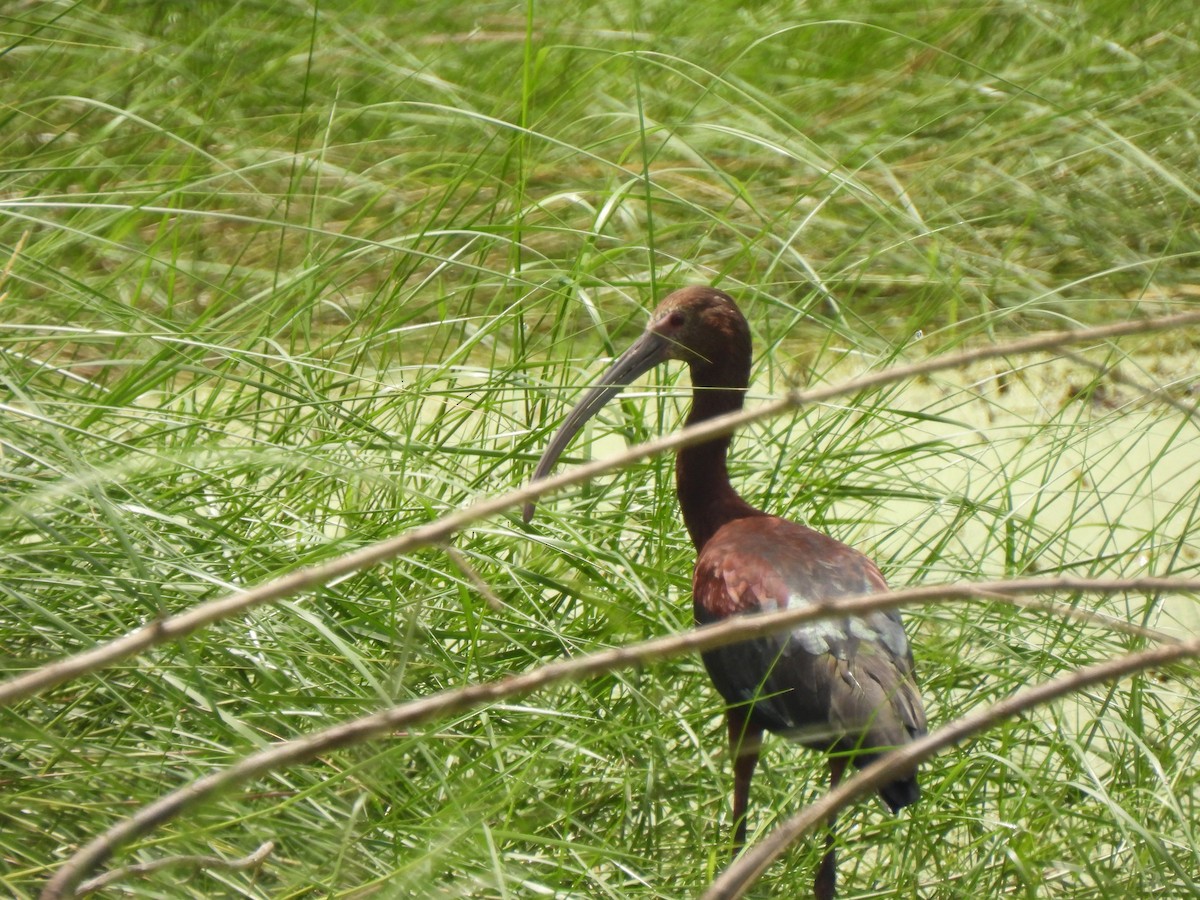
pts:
pixel 295 279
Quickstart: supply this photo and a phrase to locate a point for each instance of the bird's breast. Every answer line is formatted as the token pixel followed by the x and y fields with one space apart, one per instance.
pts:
pixel 765 563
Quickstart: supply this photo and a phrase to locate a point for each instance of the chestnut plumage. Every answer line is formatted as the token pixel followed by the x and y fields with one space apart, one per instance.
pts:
pixel 845 685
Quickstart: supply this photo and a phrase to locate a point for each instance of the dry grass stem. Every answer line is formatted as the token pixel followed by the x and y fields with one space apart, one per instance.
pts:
pixel 292 752
pixel 183 624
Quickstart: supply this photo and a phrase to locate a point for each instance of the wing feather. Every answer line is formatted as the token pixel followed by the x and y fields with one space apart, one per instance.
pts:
pixel 845 682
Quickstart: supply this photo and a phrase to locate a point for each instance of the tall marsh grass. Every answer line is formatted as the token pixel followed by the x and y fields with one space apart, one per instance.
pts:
pixel 288 278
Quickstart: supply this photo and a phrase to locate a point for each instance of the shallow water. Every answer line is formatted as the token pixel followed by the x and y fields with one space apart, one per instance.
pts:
pixel 1114 470
pixel 1106 473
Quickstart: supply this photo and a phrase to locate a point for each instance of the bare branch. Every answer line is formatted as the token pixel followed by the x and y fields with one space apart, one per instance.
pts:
pixel 305 748
pixel 197 863
pixel 745 871
pixel 174 627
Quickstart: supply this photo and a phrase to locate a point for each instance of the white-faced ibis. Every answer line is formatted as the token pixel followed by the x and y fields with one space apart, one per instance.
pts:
pixel 845 686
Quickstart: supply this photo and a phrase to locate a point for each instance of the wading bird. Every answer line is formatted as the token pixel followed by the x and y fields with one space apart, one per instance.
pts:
pixel 845 686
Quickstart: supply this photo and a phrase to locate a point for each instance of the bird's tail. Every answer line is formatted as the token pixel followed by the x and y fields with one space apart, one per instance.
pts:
pixel 896 794
pixel 901 793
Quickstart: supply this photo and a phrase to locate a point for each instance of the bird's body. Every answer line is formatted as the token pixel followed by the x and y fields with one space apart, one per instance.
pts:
pixel 844 685
pixel 831 685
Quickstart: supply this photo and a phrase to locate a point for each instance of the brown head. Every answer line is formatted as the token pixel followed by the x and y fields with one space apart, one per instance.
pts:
pixel 704 328
pixel 697 325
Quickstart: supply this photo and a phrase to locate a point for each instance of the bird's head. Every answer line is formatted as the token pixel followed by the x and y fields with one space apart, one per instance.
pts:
pixel 697 325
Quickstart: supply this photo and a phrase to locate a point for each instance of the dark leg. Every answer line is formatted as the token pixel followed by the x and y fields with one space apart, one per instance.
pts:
pixel 825 885
pixel 744 740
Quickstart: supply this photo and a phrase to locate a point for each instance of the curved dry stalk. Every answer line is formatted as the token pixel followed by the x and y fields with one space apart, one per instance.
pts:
pixel 195 863
pixel 747 869
pixel 357 731
pixel 174 627
pixel 1090 617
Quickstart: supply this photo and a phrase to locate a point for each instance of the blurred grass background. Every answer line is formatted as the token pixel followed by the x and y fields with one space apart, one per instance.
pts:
pixel 293 277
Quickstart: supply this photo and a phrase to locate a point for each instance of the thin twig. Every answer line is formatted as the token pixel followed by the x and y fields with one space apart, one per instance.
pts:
pixel 1151 392
pixel 197 863
pixel 746 870
pixel 472 575
pixel 382 723
pixel 175 627
pixel 1090 617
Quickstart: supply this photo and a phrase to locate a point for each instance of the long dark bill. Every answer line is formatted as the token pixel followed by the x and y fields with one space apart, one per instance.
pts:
pixel 646 353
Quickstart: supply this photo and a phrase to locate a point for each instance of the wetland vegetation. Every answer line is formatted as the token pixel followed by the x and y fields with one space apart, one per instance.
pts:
pixel 284 279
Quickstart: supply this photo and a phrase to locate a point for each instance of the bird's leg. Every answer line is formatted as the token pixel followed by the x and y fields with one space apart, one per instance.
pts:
pixel 745 738
pixel 825 885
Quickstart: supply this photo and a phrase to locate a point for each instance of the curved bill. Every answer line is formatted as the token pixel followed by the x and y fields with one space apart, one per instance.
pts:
pixel 646 353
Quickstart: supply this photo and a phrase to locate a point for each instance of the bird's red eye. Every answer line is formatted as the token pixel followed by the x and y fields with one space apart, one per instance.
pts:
pixel 676 319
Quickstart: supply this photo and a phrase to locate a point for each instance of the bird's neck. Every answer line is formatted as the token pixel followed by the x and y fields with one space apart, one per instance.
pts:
pixel 706 497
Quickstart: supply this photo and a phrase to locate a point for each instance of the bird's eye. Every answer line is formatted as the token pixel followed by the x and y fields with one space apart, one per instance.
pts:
pixel 676 319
